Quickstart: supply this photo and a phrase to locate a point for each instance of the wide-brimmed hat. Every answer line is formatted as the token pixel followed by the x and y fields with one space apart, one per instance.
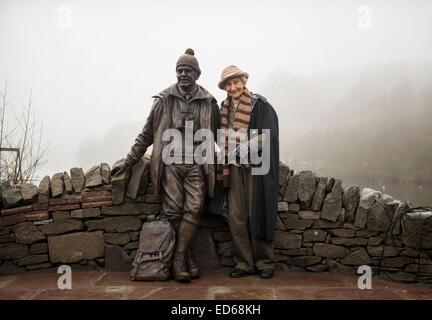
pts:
pixel 231 72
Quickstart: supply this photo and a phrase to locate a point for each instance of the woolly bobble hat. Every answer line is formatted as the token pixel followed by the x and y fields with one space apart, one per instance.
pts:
pixel 188 59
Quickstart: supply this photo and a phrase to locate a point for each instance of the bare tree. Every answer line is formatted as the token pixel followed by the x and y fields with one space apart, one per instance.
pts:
pixel 22 152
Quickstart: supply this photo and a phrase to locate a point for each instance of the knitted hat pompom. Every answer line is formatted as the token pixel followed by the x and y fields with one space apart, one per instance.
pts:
pixel 190 51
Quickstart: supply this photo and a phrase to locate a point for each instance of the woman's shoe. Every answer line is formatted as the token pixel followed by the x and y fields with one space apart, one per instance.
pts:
pixel 266 273
pixel 238 273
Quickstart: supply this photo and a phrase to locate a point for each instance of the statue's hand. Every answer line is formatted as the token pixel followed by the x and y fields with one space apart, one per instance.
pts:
pixel 119 169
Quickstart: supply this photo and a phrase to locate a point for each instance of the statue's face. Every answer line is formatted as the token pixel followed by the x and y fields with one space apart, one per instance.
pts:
pixel 234 87
pixel 186 77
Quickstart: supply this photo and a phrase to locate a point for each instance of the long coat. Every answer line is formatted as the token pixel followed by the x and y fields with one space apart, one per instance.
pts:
pixel 265 187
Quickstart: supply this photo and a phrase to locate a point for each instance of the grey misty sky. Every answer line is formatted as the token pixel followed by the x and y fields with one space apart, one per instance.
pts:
pixel 92 83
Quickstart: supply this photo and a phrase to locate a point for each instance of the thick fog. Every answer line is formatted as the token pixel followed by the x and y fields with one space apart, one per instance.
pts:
pixel 351 81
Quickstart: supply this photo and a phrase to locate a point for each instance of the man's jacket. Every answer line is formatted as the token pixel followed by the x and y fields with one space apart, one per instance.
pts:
pixel 160 119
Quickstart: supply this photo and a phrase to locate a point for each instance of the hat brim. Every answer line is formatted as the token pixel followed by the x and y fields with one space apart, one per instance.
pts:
pixel 230 76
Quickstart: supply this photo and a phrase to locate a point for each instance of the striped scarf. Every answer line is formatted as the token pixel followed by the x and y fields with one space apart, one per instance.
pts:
pixel 241 121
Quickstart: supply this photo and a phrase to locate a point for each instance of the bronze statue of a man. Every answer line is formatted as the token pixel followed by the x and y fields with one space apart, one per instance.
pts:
pixel 182 184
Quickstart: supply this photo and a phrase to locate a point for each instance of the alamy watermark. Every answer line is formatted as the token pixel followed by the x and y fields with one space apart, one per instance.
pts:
pixel 365 281
pixel 64 281
pixel 64 21
pixel 202 147
pixel 364 21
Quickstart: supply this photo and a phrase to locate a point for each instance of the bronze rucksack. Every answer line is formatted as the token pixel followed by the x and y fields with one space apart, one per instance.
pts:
pixel 155 251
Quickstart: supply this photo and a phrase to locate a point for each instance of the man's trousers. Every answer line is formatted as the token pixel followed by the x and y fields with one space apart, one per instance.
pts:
pixel 249 252
pixel 183 192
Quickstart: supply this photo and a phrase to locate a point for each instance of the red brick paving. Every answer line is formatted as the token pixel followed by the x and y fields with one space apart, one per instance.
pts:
pixel 98 285
pixel 104 293
pixel 16 294
pixel 49 280
pixel 320 293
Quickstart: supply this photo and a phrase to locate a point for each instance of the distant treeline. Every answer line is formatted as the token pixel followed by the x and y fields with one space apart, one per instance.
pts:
pixel 383 134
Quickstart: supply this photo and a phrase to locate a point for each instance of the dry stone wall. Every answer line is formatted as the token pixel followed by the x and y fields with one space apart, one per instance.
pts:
pixel 93 220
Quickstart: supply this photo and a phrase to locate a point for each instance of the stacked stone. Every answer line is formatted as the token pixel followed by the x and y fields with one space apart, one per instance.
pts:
pixel 212 245
pixel 94 219
pixel 134 184
pixel 72 219
pixel 320 227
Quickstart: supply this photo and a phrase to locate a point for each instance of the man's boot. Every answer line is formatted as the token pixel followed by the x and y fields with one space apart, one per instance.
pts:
pixel 186 231
pixel 177 273
pixel 179 267
pixel 194 270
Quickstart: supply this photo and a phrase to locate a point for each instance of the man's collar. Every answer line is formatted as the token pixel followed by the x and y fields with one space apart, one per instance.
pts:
pixel 197 92
pixel 185 93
